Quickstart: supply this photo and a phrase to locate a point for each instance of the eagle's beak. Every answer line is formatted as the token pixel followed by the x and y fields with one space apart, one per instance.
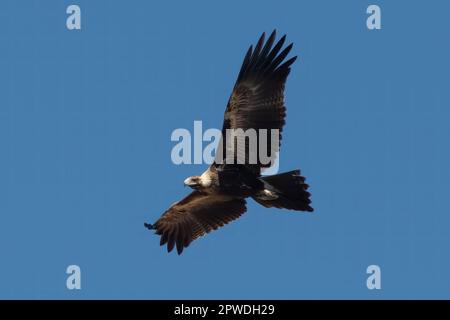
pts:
pixel 190 183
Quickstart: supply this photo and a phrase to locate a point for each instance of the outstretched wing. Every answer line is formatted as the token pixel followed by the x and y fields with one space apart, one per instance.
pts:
pixel 195 216
pixel 257 102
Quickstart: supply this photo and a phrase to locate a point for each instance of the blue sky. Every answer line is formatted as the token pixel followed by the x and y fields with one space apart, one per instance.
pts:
pixel 85 124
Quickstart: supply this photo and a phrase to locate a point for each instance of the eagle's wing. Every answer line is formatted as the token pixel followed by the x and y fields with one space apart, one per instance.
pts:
pixel 194 216
pixel 257 102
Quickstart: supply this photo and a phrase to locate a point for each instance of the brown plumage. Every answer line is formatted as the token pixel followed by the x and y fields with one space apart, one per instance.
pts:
pixel 219 196
pixel 257 100
pixel 195 216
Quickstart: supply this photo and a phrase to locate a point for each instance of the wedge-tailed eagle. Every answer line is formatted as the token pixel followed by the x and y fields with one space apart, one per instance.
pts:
pixel 219 196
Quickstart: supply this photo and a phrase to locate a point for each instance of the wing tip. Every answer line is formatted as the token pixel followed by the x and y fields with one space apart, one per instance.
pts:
pixel 149 226
pixel 263 60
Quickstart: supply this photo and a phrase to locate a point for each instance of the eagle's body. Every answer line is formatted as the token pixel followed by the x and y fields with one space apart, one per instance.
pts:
pixel 219 196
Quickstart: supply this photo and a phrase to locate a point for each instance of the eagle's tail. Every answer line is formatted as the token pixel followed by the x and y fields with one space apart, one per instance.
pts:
pixel 285 190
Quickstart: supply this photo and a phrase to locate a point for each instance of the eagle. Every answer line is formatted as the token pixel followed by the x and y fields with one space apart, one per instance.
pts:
pixel 219 194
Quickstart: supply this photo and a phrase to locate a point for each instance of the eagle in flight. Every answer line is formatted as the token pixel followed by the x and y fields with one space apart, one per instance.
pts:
pixel 219 194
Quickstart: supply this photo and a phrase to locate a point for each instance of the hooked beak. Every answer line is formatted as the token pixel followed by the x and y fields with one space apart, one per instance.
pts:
pixel 190 183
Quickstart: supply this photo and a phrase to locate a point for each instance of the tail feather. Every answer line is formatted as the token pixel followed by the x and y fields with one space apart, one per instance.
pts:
pixel 290 189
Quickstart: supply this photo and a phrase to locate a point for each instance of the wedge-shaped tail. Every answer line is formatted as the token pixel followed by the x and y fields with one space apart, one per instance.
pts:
pixel 289 191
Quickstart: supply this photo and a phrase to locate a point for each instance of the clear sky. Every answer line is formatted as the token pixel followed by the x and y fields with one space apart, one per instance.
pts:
pixel 85 123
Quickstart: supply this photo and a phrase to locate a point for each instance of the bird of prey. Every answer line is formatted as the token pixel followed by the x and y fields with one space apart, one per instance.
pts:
pixel 219 194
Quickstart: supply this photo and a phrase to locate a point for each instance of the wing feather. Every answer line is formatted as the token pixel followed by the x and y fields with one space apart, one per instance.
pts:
pixel 195 216
pixel 257 102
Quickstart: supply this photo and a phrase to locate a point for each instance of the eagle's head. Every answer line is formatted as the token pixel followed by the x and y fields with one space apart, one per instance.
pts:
pixel 194 182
